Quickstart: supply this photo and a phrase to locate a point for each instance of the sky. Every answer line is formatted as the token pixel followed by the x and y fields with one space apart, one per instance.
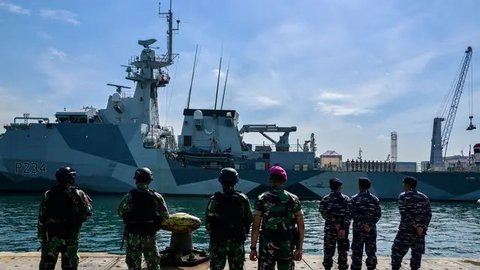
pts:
pixel 349 71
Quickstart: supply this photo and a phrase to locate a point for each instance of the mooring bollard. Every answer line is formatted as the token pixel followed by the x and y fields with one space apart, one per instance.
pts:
pixel 181 251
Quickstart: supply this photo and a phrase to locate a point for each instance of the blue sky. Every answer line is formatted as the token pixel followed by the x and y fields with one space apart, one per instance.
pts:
pixel 349 71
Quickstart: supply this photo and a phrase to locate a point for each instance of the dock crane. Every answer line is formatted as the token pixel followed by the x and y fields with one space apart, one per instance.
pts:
pixel 440 138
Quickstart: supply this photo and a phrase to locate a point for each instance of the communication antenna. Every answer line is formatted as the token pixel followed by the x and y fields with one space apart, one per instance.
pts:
pixel 225 85
pixel 170 30
pixel 218 81
pixel 193 75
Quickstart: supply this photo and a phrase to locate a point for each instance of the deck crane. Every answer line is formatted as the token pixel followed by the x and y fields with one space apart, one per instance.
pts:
pixel 282 145
pixel 440 138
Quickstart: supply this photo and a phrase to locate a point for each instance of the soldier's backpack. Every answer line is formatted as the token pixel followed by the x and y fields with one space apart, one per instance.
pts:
pixel 143 219
pixel 231 222
pixel 63 212
pixel 281 213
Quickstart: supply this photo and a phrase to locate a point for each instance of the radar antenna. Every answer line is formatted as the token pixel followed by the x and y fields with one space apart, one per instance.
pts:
pixel 119 87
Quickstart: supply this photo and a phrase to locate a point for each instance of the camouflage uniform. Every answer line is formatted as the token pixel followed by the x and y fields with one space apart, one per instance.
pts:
pixel 138 243
pixel 365 211
pixel 335 209
pixel 62 211
pixel 278 209
pixel 414 209
pixel 224 241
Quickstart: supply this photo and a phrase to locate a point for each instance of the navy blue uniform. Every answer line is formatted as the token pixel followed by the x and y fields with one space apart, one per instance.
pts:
pixel 365 212
pixel 414 210
pixel 336 210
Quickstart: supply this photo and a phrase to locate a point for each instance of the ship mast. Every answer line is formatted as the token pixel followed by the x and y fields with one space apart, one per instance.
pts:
pixel 148 71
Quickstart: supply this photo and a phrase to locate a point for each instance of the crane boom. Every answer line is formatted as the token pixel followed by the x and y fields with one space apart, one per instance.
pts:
pixel 440 138
pixel 456 99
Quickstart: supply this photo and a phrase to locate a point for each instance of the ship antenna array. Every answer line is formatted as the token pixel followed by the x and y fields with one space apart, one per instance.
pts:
pixel 225 85
pixel 218 79
pixel 193 76
pixel 170 31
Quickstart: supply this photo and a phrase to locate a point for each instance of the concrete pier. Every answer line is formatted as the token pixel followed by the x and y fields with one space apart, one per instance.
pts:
pixel 105 261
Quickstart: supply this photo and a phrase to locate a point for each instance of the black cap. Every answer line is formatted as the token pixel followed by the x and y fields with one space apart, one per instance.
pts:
pixel 66 175
pixel 143 175
pixel 411 181
pixel 335 183
pixel 364 182
pixel 228 176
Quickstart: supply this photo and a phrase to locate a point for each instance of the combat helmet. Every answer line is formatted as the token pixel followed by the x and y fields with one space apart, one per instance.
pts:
pixel 143 175
pixel 66 175
pixel 228 176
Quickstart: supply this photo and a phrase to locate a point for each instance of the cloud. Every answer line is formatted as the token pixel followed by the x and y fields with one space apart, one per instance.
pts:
pixel 57 53
pixel 341 110
pixel 325 95
pixel 60 15
pixel 382 137
pixel 44 35
pixel 268 101
pixel 14 8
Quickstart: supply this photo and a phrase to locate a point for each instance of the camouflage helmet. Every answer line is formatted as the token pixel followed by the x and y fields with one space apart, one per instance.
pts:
pixel 143 175
pixel 66 175
pixel 228 176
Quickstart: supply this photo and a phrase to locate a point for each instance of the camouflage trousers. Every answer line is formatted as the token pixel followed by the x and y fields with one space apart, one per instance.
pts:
pixel 403 241
pixel 275 251
pixel 330 241
pixel 67 247
pixel 138 244
pixel 361 239
pixel 234 250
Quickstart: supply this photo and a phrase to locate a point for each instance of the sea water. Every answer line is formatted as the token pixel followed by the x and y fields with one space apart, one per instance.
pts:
pixel 454 230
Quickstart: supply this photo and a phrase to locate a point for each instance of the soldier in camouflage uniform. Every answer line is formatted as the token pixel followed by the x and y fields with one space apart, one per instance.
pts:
pixel 228 220
pixel 142 211
pixel 63 209
pixel 415 213
pixel 280 214
pixel 366 213
pixel 336 210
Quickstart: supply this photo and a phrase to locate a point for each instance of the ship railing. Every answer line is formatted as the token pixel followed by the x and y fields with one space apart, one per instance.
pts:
pixel 158 58
pixel 26 118
pixel 272 148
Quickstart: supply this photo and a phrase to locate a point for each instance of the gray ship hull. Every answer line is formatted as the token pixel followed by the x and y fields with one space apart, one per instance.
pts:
pixel 106 156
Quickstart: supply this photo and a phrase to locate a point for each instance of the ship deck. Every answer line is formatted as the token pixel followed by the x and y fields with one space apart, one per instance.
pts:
pixel 106 261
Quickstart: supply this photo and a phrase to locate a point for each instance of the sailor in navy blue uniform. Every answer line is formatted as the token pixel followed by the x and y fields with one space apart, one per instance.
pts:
pixel 336 210
pixel 416 213
pixel 366 212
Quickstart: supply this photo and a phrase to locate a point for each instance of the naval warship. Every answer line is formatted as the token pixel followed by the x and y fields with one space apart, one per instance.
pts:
pixel 106 145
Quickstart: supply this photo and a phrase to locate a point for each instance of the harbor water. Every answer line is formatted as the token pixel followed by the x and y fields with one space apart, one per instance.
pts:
pixel 454 230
